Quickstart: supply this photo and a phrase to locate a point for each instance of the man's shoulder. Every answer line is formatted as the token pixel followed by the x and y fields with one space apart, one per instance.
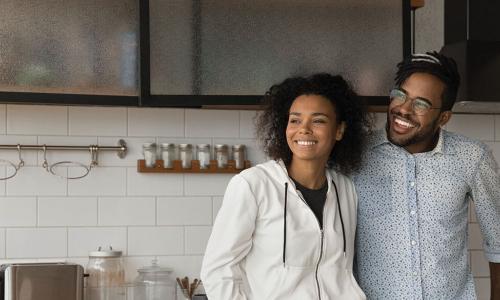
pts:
pixel 457 143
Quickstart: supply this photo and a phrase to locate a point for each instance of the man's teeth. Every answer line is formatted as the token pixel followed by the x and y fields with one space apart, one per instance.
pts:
pixel 306 143
pixel 403 123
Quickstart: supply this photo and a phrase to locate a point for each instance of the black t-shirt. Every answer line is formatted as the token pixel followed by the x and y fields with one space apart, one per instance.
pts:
pixel 315 199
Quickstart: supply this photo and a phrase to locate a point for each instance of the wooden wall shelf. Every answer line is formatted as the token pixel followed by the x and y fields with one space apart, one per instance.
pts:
pixel 195 167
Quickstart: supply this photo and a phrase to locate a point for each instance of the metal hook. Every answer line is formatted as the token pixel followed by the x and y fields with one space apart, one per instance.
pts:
pixel 45 164
pixel 21 161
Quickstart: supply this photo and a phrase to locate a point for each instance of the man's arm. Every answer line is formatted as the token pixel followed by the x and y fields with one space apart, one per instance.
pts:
pixel 495 280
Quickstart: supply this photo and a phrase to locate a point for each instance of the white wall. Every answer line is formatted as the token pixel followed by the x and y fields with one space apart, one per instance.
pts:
pixel 164 216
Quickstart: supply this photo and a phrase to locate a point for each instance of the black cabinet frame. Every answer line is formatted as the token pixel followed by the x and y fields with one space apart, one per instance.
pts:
pixel 145 99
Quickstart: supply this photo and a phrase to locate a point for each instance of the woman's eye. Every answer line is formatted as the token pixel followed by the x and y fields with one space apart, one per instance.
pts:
pixel 319 121
pixel 294 121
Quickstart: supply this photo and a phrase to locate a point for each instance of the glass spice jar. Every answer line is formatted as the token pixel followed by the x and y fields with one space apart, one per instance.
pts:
pixel 239 156
pixel 168 154
pixel 203 154
pixel 186 155
pixel 221 155
pixel 149 152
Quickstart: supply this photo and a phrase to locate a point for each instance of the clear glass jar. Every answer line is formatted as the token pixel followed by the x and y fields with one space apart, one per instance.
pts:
pixel 168 154
pixel 106 275
pixel 239 156
pixel 149 152
pixel 203 154
pixel 154 283
pixel 221 155
pixel 186 154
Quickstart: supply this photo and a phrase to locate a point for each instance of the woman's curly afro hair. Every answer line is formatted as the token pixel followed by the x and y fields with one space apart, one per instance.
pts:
pixel 272 122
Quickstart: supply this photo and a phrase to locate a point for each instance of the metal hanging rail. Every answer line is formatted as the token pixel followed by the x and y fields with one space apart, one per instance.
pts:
pixel 121 148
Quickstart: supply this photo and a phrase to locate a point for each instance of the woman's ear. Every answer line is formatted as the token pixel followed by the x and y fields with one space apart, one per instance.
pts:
pixel 340 131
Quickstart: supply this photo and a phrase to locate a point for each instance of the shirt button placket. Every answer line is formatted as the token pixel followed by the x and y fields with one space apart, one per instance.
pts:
pixel 413 222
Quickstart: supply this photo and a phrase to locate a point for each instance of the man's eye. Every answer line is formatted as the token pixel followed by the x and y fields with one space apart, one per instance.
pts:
pixel 421 104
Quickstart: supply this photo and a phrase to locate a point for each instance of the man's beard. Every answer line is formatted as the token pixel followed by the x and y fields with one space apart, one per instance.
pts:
pixel 421 135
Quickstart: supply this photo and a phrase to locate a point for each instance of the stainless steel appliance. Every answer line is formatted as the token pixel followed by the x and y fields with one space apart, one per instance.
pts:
pixel 41 281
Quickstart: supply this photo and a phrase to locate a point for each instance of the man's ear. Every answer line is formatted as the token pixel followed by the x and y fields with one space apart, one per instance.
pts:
pixel 444 117
pixel 340 131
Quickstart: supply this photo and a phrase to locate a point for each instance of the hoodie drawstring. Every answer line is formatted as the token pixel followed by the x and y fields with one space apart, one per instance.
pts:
pixel 284 223
pixel 340 213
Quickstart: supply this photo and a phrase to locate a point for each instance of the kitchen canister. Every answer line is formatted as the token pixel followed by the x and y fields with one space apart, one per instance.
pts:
pixel 154 283
pixel 203 154
pixel 239 156
pixel 149 152
pixel 186 154
pixel 106 275
pixel 168 154
pixel 221 155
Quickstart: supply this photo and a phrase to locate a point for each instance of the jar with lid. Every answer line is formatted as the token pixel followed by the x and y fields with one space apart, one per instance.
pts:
pixel 186 154
pixel 221 155
pixel 106 275
pixel 168 154
pixel 239 156
pixel 203 154
pixel 149 152
pixel 154 283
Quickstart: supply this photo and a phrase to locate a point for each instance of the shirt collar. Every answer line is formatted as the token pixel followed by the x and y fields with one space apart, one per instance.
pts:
pixel 379 138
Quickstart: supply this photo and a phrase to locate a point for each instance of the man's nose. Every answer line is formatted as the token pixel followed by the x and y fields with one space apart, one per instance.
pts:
pixel 406 107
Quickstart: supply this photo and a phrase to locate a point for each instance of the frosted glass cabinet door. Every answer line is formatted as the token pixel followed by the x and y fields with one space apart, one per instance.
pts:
pixel 69 46
pixel 234 47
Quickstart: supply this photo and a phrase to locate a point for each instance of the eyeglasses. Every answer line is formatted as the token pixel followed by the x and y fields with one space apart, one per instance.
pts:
pixel 419 106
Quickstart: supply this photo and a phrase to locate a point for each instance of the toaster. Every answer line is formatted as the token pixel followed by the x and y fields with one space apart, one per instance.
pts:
pixel 41 281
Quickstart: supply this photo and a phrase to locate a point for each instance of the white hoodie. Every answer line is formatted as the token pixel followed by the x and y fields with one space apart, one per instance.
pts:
pixel 253 255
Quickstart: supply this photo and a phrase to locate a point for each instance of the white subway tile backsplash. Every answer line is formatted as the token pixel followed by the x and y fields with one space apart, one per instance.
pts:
pixel 475 237
pixel 134 151
pixel 197 239
pixel 3 174
pixel 37 120
pixel 155 240
pixel 495 150
pixel 247 124
pixel 212 123
pixel 154 184
pixel 2 243
pixel 67 211
pixel 101 181
pixel 184 211
pixel 3 118
pixel 83 240
pixel 126 211
pixel 206 184
pixel 481 127
pixel 483 289
pixel 479 263
pixel 29 156
pixel 35 181
pixel 183 265
pixel 36 242
pixel 17 211
pixel 102 121
pixel 156 122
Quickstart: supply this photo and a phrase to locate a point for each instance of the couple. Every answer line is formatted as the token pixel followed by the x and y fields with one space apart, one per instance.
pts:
pixel 296 226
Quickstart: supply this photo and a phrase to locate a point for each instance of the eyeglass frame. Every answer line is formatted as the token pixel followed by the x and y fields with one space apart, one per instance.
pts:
pixel 413 101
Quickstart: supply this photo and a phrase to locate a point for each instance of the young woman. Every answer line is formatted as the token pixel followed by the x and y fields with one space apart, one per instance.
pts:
pixel 286 227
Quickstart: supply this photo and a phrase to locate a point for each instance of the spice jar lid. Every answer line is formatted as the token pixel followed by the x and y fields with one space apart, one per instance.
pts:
pixel 149 145
pixel 203 146
pixel 221 146
pixel 238 147
pixel 185 146
pixel 105 253
pixel 167 145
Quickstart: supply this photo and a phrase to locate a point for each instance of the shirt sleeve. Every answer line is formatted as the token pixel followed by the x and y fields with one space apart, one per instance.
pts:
pixel 222 273
pixel 486 197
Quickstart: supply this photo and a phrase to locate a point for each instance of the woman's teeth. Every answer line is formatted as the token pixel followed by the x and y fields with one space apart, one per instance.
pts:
pixel 306 143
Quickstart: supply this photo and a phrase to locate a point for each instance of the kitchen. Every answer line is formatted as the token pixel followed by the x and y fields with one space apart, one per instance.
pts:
pixel 149 216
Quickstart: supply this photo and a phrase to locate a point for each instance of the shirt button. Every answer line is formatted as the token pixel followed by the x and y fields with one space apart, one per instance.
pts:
pixel 415 273
pixel 413 212
pixel 413 243
pixel 412 183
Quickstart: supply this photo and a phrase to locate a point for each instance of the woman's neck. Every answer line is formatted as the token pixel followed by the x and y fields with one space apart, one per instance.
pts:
pixel 310 174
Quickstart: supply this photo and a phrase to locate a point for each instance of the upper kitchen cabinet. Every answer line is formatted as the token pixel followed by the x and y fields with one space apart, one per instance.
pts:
pixel 193 53
pixel 69 51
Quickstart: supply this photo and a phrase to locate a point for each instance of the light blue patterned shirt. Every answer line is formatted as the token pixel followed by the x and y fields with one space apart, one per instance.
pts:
pixel 412 217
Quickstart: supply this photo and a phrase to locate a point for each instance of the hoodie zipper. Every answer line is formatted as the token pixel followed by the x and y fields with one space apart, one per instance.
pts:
pixel 321 239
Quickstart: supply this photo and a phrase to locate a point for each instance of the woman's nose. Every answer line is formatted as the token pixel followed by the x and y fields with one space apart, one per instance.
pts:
pixel 305 127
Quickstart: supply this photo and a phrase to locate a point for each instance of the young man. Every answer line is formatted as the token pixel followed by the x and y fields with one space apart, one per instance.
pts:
pixel 414 191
